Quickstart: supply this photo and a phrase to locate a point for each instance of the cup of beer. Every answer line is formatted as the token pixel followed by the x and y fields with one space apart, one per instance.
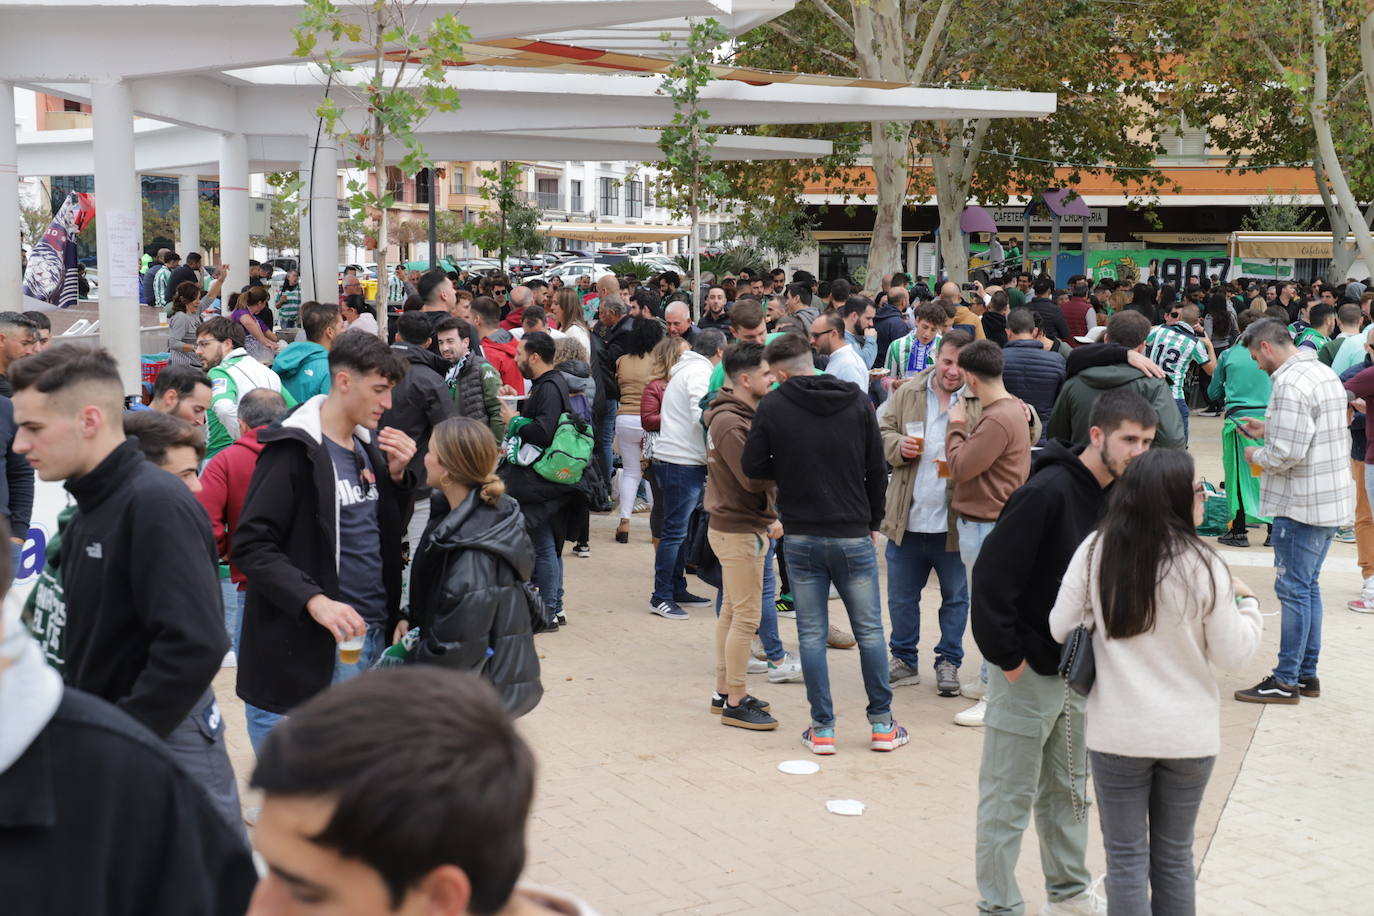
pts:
pixel 351 649
pixel 1256 470
pixel 942 468
pixel 917 430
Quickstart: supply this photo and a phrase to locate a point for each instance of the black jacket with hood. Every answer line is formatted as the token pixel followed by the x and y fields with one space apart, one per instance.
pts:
pixel 145 629
pixel 467 596
pixel 1022 561
pixel 287 546
pixel 606 349
pixel 818 438
pixel 891 325
pixel 421 399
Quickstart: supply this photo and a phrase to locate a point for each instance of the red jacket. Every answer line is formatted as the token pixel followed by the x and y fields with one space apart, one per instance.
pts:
pixel 514 319
pixel 1076 316
pixel 223 485
pixel 502 356
pixel 651 405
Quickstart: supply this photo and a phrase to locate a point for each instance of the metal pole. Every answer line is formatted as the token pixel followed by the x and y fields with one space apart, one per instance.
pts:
pixel 1054 248
pixel 433 241
pixel 1085 250
pixel 1025 240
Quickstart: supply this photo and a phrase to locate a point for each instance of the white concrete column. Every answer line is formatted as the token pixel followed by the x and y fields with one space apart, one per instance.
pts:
pixel 320 225
pixel 11 277
pixel 119 226
pixel 303 217
pixel 188 207
pixel 233 210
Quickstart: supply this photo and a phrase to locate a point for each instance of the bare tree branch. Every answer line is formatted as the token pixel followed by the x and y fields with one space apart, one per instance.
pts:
pixel 835 18
pixel 937 28
pixel 792 37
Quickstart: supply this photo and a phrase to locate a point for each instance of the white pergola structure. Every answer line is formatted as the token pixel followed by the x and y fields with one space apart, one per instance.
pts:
pixel 230 107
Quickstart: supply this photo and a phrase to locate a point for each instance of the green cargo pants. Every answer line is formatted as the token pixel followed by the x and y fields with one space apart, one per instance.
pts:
pixel 1026 766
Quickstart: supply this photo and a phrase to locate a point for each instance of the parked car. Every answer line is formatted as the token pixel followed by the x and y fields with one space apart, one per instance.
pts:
pixel 564 254
pixel 571 270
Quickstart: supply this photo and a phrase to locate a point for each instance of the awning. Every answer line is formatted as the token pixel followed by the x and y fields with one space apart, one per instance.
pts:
pixel 608 232
pixel 1281 244
pixel 1059 206
pixel 976 219
pixel 526 53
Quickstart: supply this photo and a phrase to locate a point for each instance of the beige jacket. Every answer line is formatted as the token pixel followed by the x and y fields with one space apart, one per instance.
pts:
pixel 908 405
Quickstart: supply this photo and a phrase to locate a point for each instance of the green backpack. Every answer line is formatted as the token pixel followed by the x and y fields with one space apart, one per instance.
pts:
pixel 565 460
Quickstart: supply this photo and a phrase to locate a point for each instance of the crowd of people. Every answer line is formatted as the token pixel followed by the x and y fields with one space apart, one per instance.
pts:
pixel 342 502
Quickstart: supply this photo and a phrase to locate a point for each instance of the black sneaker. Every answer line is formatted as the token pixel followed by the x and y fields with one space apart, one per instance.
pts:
pixel 687 599
pixel 718 702
pixel 1270 690
pixel 748 714
pixel 1234 539
pixel 1311 687
pixel 582 549
pixel 561 618
pixel 1269 539
pixel 667 609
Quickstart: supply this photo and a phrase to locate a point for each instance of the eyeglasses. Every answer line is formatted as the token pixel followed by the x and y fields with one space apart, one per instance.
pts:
pixel 819 334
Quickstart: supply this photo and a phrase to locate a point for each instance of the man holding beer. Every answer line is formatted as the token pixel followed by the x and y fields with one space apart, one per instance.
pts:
pixel 319 540
pixel 920 533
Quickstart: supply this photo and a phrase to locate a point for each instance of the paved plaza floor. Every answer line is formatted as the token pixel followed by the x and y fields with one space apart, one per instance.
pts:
pixel 647 805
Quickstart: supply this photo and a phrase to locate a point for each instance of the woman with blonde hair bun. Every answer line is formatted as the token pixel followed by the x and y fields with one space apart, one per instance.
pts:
pixel 469 590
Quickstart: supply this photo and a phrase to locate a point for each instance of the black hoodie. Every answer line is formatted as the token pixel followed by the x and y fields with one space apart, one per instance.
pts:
pixel 818 438
pixel 1016 579
pixel 144 624
pixel 420 401
pixel 467 596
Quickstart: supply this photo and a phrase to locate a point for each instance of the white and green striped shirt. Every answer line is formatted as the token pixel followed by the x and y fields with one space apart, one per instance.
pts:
pixel 907 356
pixel 1174 349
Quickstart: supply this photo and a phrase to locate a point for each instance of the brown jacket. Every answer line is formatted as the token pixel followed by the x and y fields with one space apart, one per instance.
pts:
pixel 737 504
pixel 988 459
pixel 907 405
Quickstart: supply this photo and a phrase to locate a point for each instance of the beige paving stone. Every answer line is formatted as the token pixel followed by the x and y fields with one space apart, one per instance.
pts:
pixel 647 805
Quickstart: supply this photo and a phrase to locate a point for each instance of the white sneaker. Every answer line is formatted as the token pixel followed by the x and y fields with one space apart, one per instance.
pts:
pixel 1362 604
pixel 757 666
pixel 973 718
pixel 974 690
pixel 788 671
pixel 1092 902
pixel 231 660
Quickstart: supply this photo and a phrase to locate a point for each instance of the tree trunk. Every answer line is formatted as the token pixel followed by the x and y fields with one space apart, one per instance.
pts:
pixel 1326 146
pixel 880 47
pixel 379 166
pixel 890 176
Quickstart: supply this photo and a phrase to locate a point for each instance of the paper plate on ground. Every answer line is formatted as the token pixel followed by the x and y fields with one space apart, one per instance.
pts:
pixel 845 806
pixel 799 767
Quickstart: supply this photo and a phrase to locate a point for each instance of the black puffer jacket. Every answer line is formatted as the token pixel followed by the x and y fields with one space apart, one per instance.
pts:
pixel 467 596
pixel 1033 374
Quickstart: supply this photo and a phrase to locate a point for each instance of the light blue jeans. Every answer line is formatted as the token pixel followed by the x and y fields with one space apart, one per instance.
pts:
pixel 233 611
pixel 852 564
pixel 260 721
pixel 1299 551
pixel 971 537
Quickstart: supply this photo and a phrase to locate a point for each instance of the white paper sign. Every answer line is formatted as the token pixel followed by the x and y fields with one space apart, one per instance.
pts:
pixel 119 254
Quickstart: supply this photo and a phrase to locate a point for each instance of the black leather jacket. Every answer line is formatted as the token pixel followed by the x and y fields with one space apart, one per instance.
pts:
pixel 467 596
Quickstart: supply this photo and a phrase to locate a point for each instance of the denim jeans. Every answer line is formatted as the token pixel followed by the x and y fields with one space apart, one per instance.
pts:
pixel 908 569
pixel 681 485
pixel 971 537
pixel 1148 808
pixel 548 568
pixel 1183 412
pixel 260 721
pixel 852 564
pixel 1299 551
pixel 605 438
pixel 233 611
pixel 768 615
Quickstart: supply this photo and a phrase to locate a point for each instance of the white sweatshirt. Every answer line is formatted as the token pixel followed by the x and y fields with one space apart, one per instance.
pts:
pixel 1155 695
pixel 681 437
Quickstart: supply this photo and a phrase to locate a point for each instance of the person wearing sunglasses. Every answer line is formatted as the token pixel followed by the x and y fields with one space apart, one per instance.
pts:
pixel 319 538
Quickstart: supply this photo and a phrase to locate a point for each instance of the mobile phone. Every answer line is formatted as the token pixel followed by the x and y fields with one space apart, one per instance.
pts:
pixel 970 287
